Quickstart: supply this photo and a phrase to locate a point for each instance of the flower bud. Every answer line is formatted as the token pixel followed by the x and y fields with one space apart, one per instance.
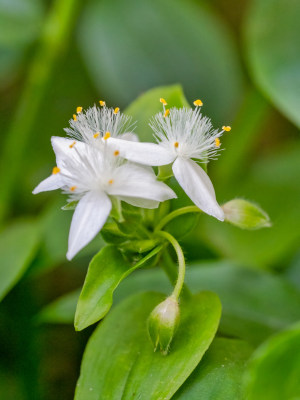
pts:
pixel 245 215
pixel 162 324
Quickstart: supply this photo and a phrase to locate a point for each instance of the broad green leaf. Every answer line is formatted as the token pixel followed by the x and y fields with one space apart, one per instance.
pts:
pixel 273 372
pixel 130 47
pixel 106 270
pixel 272 44
pixel 147 105
pixel 219 375
pixel 250 309
pixel 272 183
pixel 18 245
pixel 119 362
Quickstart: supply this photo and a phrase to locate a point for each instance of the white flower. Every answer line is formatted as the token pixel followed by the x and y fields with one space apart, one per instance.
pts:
pixel 182 135
pixel 92 175
pixel 95 124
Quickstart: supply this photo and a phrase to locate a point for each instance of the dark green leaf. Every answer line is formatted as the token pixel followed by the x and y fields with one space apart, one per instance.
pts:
pixel 106 270
pixel 18 245
pixel 119 362
pixel 272 39
pixel 273 372
pixel 219 375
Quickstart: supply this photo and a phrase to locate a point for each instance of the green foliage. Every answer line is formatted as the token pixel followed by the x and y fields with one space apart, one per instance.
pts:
pixel 18 246
pixel 106 270
pixel 273 372
pixel 156 43
pixel 272 32
pixel 219 375
pixel 124 366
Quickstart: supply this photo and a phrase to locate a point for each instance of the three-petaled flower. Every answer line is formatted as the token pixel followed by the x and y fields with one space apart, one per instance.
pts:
pixel 183 135
pixel 93 175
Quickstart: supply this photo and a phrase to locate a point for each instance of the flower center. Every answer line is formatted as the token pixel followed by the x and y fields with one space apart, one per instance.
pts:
pixel 111 181
pixel 106 136
pixel 73 188
pixel 176 144
pixel 116 153
pixel 55 170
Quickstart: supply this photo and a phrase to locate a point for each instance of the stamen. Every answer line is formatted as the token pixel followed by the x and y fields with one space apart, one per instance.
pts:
pixel 102 103
pixel 97 134
pixel 116 110
pixel 78 110
pixel 198 103
pixel 116 153
pixel 163 101
pixel 72 145
pixel 74 117
pixel 217 142
pixel 106 136
pixel 73 188
pixel 111 181
pixel 226 128
pixel 55 170
pixel 167 112
pixel 176 144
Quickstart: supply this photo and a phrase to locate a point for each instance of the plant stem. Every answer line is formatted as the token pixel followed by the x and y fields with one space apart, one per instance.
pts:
pixel 53 40
pixel 181 262
pixel 174 214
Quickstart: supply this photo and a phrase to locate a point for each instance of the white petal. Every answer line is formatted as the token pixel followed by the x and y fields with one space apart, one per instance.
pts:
pixel 130 136
pixel 143 189
pixel 142 153
pixel 62 149
pixel 197 185
pixel 51 183
pixel 90 215
pixel 138 202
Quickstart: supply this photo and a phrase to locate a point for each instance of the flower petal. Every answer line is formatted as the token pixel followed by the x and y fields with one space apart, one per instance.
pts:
pixel 90 215
pixel 197 185
pixel 53 182
pixel 138 202
pixel 65 148
pixel 130 136
pixel 142 153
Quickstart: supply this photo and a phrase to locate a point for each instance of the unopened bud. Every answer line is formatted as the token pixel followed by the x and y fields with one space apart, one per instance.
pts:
pixel 245 215
pixel 163 323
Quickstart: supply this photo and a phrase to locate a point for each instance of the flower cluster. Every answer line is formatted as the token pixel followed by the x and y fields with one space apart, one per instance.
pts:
pixel 102 161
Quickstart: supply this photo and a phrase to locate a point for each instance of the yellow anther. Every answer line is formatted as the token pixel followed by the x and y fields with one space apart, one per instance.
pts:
pixel 111 181
pixel 226 128
pixel 73 188
pixel 72 145
pixel 163 101
pixel 55 170
pixel 198 103
pixel 106 136
pixel 78 110
pixel 116 153
pixel 167 112
pixel 217 142
pixel 116 110
pixel 102 103
pixel 75 117
pixel 97 134
pixel 176 144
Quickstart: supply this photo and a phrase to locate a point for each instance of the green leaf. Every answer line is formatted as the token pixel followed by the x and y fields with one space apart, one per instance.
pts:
pixel 106 270
pixel 272 43
pixel 147 105
pixel 130 47
pixel 219 374
pixel 70 205
pixel 119 362
pixel 273 372
pixel 18 246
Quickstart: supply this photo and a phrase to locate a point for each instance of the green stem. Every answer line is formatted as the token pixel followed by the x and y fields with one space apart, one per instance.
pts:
pixel 53 40
pixel 181 262
pixel 174 214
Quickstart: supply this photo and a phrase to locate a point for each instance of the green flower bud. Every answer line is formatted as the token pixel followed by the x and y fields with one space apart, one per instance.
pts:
pixel 245 215
pixel 163 323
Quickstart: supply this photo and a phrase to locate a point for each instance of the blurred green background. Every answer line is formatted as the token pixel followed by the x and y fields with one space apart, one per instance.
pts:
pixel 240 57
